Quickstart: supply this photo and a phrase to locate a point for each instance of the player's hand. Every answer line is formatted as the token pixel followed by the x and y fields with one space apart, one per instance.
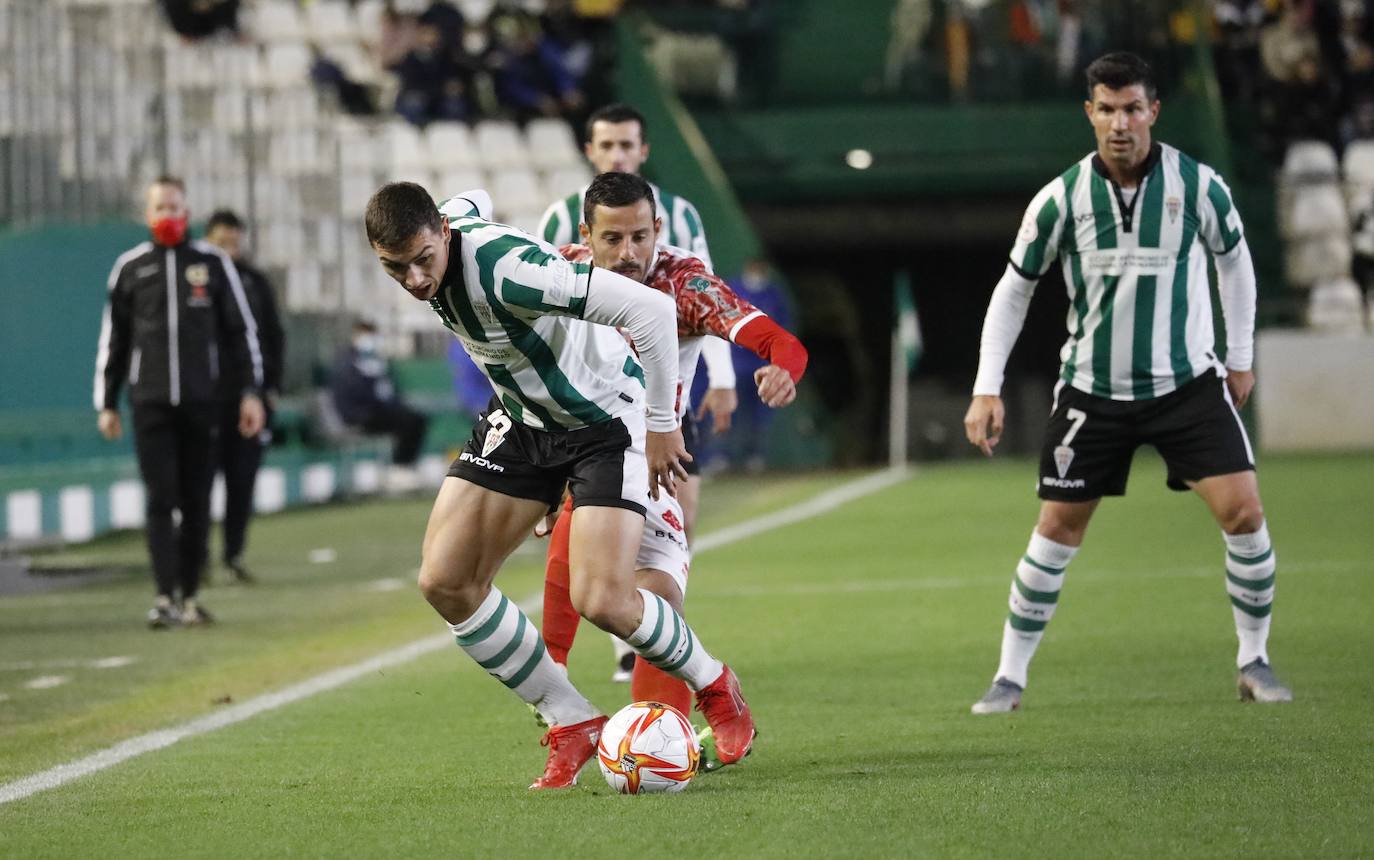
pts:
pixel 666 454
pixel 721 403
pixel 109 424
pixel 252 418
pixel 776 388
pixel 983 422
pixel 1240 383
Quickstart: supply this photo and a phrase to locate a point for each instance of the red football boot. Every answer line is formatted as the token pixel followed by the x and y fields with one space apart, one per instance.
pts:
pixel 570 747
pixel 727 713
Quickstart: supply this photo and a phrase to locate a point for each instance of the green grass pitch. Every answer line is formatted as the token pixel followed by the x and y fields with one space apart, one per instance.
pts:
pixel 861 637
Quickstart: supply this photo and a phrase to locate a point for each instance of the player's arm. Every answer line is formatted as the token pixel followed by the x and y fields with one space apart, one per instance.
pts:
pixel 650 318
pixel 239 329
pixel 1224 236
pixel 1036 247
pixel 713 308
pixel 273 339
pixel 112 354
pixel 720 399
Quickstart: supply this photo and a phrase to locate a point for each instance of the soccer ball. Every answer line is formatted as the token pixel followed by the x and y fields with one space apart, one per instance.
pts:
pixel 647 748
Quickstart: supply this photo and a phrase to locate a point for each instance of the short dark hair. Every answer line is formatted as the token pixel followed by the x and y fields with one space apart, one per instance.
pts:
pixel 1121 69
pixel 616 190
pixel 224 218
pixel 399 212
pixel 168 179
pixel 618 112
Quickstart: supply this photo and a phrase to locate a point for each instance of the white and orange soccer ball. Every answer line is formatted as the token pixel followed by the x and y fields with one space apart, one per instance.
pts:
pixel 648 747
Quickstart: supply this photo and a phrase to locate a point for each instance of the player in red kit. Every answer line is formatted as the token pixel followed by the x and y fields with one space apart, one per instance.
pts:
pixel 619 233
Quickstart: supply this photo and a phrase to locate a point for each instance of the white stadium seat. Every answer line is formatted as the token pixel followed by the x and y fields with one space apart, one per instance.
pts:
pixel 331 21
pixel 369 14
pixel 566 180
pixel 286 65
pixel 516 189
pixel 552 144
pixel 1358 163
pixel 1310 261
pixel 457 181
pixel 278 21
pixel 451 145
pixel 499 144
pixel 408 149
pixel 1308 160
pixel 1336 307
pixel 1313 210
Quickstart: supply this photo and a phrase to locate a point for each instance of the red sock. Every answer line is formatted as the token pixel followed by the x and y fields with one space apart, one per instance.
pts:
pixel 651 684
pixel 560 619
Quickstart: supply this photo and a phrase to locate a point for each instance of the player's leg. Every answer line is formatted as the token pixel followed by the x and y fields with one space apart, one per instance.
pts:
pixel 155 443
pixel 1206 449
pixel 471 532
pixel 609 485
pixel 661 567
pixel 196 473
pixel 1086 455
pixel 560 620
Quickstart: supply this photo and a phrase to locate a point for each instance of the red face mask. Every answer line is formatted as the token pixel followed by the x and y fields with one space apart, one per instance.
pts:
pixel 168 232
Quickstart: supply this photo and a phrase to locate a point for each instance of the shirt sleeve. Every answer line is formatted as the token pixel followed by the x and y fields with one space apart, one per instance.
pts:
pixel 237 323
pixel 1220 225
pixel 1002 325
pixel 650 319
pixel 694 233
pixel 112 353
pixel 534 283
pixel 720 366
pixel 1236 284
pixel 555 227
pixel 1037 242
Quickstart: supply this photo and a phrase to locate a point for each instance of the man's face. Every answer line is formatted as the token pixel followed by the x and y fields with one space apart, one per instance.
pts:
pixel 617 147
pixel 421 264
pixel 622 238
pixel 1121 120
pixel 163 201
pixel 229 239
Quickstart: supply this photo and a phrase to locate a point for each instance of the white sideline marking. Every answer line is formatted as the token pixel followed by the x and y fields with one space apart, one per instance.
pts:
pixel 156 740
pixel 47 682
pixel 102 663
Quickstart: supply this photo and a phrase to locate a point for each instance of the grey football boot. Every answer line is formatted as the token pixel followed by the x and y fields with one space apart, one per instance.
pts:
pixel 1258 683
pixel 1001 698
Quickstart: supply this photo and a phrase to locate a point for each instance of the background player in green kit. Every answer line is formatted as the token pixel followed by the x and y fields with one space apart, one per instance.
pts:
pixel 1133 224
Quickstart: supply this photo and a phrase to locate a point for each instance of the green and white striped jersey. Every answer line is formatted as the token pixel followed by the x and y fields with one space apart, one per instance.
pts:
pixel 515 304
pixel 1140 308
pixel 681 223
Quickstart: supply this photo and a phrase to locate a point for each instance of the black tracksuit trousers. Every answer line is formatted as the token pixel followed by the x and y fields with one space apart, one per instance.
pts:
pixel 176 446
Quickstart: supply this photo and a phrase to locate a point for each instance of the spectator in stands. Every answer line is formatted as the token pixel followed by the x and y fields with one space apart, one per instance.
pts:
pixel 1300 79
pixel 529 70
pixel 163 350
pixel 1236 47
pixel 239 457
pixel 330 78
pixel 470 385
pixel 435 80
pixel 365 396
pixel 399 33
pixel 752 419
pixel 198 19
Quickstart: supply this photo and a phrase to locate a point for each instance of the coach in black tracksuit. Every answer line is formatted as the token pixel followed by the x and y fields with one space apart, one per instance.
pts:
pixel 172 304
pixel 239 458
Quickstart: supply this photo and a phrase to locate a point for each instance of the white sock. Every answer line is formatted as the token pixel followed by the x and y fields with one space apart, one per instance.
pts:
pixel 1250 566
pixel 504 642
pixel 666 641
pixel 1034 595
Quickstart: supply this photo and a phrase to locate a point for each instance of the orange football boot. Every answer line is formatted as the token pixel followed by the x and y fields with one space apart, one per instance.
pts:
pixel 570 747
pixel 727 713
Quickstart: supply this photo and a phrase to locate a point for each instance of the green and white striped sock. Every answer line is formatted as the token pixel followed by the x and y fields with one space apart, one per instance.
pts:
pixel 1250 566
pixel 504 642
pixel 666 641
pixel 1034 595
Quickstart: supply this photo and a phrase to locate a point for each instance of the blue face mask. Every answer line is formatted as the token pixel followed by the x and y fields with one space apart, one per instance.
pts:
pixel 366 343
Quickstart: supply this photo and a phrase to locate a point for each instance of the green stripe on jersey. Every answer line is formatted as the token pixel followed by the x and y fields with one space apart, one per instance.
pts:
pixel 1178 312
pixel 458 306
pixel 634 371
pixel 1221 203
pixel 528 341
pixel 693 226
pixel 1069 250
pixel 1142 337
pixel 1104 219
pixel 1102 336
pixel 501 376
pixel 1034 260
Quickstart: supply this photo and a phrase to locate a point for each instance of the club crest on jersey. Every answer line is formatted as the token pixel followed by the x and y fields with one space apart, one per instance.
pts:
pixel 197 274
pixel 1063 457
pixel 1173 204
pixel 497 427
pixel 699 284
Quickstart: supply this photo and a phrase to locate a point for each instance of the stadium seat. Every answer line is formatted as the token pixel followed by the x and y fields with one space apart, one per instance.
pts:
pixel 451 145
pixel 552 144
pixel 369 20
pixel 459 180
pixel 278 21
pixel 499 144
pixel 1309 160
pixel 476 10
pixel 408 150
pixel 566 180
pixel 516 189
pixel 1311 261
pixel 331 22
pixel 286 65
pixel 1358 162
pixel 1336 307
pixel 1313 211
